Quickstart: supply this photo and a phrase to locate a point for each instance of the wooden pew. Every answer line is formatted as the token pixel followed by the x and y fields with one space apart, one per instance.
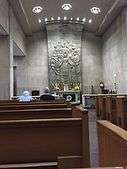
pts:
pixel 32 106
pixel 121 104
pixel 57 101
pixel 111 110
pixel 97 106
pixel 100 168
pixel 102 106
pixel 35 114
pixel 112 144
pixel 39 165
pixel 43 140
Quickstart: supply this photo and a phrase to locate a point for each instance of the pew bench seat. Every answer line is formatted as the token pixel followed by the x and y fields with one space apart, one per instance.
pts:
pixel 44 165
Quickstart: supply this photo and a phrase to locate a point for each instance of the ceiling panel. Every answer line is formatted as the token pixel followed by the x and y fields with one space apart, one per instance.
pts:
pixel 80 8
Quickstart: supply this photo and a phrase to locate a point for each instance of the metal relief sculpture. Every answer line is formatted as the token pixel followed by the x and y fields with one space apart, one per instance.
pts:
pixel 64 65
pixel 64 50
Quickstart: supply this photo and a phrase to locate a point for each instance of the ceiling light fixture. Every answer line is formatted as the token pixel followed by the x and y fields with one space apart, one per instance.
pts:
pixel 37 9
pixel 84 19
pixel 95 10
pixel 71 19
pixel 39 20
pixel 66 7
pixel 90 20
pixel 65 18
pixel 77 18
pixel 46 19
pixel 52 18
pixel 58 18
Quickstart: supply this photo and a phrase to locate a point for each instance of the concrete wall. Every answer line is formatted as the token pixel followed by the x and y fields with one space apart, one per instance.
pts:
pixel 32 70
pixel 4 16
pixel 4 68
pixel 115 54
pixel 8 26
pixel 91 62
pixel 16 33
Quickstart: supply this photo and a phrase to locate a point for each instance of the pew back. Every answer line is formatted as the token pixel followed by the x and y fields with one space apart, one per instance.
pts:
pixel 11 102
pixel 112 145
pixel 32 106
pixel 43 140
pixel 121 104
pixel 35 114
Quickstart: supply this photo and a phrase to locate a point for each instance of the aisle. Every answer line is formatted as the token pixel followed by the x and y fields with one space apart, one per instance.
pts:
pixel 93 138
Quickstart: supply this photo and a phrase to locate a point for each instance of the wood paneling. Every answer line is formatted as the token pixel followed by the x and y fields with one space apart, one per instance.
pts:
pixel 112 145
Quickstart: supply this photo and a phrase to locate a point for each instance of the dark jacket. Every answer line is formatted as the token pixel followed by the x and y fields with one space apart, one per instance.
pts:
pixel 47 97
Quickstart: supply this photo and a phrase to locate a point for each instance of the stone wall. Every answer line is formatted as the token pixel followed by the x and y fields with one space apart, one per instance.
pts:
pixel 4 17
pixel 4 68
pixel 115 54
pixel 91 62
pixel 32 70
pixel 10 27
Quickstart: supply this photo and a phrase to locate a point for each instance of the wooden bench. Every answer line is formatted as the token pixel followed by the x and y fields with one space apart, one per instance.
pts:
pixel 111 110
pixel 121 104
pixel 112 144
pixel 35 113
pixel 32 106
pixel 43 140
pixel 97 106
pixel 101 168
pixel 102 107
pixel 44 165
pixel 58 101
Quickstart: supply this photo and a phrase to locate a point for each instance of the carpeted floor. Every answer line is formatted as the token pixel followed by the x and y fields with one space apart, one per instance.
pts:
pixel 93 138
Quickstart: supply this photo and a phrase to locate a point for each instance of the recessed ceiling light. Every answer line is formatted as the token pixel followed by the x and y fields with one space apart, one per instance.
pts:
pixel 52 18
pixel 65 18
pixel 66 7
pixel 84 19
pixel 58 18
pixel 39 20
pixel 71 19
pixel 77 18
pixel 95 10
pixel 37 9
pixel 90 20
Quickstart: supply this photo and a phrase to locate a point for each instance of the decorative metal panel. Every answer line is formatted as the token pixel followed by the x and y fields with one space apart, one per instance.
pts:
pixel 64 48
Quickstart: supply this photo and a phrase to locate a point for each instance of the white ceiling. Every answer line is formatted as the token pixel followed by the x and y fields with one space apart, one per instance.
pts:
pixel 80 8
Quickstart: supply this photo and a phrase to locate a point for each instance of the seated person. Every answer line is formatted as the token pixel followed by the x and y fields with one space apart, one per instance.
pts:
pixel 25 97
pixel 47 95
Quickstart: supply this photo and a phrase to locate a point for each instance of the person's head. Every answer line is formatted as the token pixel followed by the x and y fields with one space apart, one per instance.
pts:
pixel 26 93
pixel 46 90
